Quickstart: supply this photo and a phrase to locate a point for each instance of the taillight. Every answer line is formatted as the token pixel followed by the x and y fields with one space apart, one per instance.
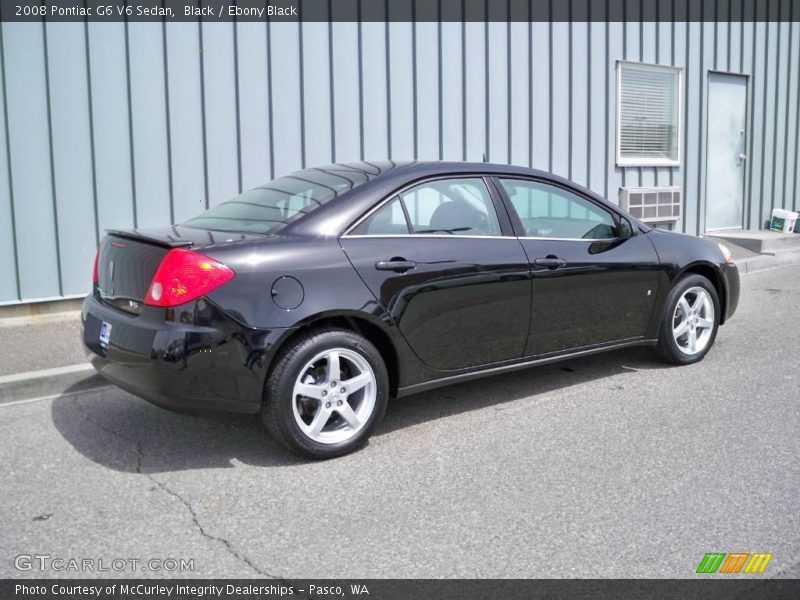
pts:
pixel 95 277
pixel 184 275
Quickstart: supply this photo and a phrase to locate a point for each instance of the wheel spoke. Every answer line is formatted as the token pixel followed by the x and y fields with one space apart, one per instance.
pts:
pixel 309 390
pixel 356 383
pixel 682 328
pixel 349 415
pixel 705 323
pixel 692 340
pixel 334 371
pixel 319 421
pixel 698 303
pixel 684 306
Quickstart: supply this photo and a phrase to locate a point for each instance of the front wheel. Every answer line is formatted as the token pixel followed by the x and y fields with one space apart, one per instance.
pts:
pixel 690 321
pixel 327 393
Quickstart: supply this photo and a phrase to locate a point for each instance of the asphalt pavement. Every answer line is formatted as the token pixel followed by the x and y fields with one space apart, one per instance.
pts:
pixel 607 466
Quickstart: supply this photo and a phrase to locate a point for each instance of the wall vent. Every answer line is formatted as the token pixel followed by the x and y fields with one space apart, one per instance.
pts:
pixel 652 204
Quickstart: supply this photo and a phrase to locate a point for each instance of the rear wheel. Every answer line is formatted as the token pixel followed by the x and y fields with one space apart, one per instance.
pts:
pixel 326 394
pixel 690 321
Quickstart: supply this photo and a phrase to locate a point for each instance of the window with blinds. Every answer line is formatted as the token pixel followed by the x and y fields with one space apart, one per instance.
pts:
pixel 648 115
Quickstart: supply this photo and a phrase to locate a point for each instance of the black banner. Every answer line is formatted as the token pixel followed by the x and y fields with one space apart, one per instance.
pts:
pixel 399 10
pixel 396 589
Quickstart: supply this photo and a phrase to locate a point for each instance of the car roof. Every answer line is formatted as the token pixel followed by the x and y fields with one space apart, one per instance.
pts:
pixel 380 168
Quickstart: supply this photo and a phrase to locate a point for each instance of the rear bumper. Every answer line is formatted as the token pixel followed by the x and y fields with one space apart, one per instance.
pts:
pixel 730 275
pixel 191 358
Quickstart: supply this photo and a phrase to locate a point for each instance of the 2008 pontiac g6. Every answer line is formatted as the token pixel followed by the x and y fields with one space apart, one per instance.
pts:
pixel 314 298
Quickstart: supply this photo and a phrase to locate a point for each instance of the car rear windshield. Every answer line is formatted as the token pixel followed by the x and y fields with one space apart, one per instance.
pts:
pixel 270 207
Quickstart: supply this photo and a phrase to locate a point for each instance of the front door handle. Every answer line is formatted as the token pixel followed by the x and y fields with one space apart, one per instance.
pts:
pixel 398 265
pixel 551 262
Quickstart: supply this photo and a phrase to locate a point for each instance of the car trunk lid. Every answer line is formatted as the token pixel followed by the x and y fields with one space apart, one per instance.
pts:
pixel 125 268
pixel 129 258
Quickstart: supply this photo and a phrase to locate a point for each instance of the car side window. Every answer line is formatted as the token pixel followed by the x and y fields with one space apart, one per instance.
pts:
pixel 548 211
pixel 457 206
pixel 388 220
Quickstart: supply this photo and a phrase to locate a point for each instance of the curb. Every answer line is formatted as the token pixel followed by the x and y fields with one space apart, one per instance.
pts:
pixel 32 385
pixel 763 262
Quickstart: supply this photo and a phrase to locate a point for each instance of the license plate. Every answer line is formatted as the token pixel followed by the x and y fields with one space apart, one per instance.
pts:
pixel 105 334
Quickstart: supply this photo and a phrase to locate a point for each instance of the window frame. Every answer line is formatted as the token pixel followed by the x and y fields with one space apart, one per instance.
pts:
pixel 519 229
pixel 506 226
pixel 639 161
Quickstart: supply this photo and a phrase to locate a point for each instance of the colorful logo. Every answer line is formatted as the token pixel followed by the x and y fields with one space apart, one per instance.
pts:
pixel 734 562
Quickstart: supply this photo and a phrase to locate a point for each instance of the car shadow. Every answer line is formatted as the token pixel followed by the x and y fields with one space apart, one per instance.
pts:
pixel 508 387
pixel 121 432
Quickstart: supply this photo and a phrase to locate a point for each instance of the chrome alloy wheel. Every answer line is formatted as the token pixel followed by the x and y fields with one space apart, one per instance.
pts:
pixel 334 396
pixel 693 321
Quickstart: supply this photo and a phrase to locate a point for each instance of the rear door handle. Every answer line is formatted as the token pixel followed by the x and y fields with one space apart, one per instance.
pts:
pixel 551 262
pixel 396 264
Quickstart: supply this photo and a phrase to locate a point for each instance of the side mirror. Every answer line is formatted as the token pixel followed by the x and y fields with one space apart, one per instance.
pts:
pixel 625 228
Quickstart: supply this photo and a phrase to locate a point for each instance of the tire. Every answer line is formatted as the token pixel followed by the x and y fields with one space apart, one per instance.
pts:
pixel 702 321
pixel 313 411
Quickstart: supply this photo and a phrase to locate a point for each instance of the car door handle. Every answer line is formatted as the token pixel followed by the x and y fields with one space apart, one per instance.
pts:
pixel 551 262
pixel 396 264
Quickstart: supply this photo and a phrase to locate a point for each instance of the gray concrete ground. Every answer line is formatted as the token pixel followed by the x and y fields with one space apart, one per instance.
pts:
pixel 34 343
pixel 609 466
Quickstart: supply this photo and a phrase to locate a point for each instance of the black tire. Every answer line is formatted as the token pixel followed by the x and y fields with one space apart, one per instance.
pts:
pixel 277 410
pixel 667 348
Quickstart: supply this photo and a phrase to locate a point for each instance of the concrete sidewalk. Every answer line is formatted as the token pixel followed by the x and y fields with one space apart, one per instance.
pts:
pixel 757 250
pixel 44 356
pixel 43 342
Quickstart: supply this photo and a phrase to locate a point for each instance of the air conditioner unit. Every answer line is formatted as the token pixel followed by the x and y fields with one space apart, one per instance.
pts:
pixel 652 204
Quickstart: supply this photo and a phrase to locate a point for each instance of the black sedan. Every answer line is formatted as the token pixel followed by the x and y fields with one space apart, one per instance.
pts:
pixel 314 298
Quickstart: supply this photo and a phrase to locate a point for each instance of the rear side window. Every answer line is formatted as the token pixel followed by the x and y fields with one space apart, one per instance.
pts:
pixel 460 206
pixel 457 206
pixel 548 211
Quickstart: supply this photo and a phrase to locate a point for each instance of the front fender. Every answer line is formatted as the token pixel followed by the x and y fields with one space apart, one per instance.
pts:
pixel 680 254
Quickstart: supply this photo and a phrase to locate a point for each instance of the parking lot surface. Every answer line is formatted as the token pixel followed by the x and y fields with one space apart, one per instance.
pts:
pixel 608 466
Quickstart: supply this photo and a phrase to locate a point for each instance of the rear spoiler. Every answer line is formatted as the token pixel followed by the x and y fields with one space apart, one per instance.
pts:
pixel 167 237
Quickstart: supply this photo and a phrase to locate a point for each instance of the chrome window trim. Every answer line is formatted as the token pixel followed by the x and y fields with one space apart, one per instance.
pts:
pixel 568 239
pixel 429 235
pixel 474 237
pixel 486 178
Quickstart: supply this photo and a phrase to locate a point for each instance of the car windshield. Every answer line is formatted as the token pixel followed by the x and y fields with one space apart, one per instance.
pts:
pixel 270 207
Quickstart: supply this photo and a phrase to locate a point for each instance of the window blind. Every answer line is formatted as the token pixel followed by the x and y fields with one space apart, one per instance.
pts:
pixel 648 114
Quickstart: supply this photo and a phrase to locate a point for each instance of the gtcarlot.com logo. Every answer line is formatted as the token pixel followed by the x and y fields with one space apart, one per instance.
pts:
pixel 734 562
pixel 47 562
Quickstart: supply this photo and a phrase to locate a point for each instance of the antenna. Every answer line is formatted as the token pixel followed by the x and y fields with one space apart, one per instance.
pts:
pixel 484 157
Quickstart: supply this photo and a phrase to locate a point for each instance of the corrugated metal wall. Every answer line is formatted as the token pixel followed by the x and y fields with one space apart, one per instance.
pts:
pixel 115 125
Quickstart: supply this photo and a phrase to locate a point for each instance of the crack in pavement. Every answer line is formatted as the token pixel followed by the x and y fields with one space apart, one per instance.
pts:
pixel 140 455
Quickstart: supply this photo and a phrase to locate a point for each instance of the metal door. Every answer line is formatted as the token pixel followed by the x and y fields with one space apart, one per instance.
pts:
pixel 726 156
pixel 590 285
pixel 465 301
